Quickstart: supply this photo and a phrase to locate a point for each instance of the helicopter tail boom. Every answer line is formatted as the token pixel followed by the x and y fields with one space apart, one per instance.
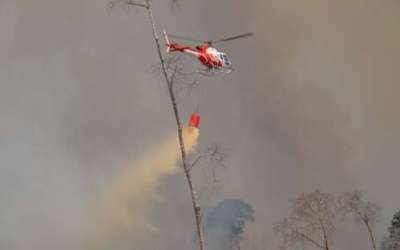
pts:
pixel 168 44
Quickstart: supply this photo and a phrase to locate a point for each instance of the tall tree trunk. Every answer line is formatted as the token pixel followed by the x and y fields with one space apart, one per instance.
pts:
pixel 326 241
pixel 195 202
pixel 371 234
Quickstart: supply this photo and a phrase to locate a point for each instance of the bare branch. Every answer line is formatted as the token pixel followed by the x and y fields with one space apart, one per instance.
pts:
pixel 291 234
pixel 312 217
pixel 354 203
pixel 172 78
pixel 176 4
pixel 145 4
pixel 114 3
pixel 213 153
pixel 213 158
pixel 365 212
pixel 180 79
pixel 195 202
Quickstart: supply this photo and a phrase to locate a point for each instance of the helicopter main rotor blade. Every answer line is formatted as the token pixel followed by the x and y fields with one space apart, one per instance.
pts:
pixel 186 38
pixel 232 38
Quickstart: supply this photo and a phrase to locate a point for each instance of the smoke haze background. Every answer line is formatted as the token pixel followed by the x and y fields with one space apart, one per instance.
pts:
pixel 125 203
pixel 313 104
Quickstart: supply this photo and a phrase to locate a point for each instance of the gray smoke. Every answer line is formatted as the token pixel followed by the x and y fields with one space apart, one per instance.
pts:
pixel 313 103
pixel 225 223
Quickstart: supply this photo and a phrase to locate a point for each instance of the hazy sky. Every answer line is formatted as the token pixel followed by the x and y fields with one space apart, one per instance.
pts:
pixel 313 104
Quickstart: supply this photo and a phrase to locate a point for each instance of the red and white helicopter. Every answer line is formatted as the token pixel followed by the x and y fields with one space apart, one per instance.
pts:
pixel 209 56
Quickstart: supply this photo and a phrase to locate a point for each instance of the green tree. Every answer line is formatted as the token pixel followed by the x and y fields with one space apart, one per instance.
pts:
pixel 394 232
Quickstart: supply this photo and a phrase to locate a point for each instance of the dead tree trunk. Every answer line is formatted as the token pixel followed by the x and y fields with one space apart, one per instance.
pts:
pixel 169 82
pixel 371 234
pixel 324 234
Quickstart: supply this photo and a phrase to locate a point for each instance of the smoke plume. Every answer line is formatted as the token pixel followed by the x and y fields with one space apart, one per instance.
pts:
pixel 125 203
pixel 225 223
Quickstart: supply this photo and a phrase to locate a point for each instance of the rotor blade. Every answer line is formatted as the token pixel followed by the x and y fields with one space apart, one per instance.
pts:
pixel 232 38
pixel 186 38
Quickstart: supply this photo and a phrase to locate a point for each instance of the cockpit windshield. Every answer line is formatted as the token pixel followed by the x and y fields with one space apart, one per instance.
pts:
pixel 226 60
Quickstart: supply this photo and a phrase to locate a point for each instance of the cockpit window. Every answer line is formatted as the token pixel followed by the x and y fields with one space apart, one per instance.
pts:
pixel 227 62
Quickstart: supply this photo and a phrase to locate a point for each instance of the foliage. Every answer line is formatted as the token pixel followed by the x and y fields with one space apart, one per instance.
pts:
pixel 224 224
pixel 393 241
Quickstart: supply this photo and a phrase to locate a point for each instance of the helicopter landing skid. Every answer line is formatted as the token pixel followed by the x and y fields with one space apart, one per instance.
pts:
pixel 213 71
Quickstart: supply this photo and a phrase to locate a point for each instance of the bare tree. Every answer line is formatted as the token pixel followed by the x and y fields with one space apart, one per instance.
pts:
pixel 170 80
pixel 211 159
pixel 214 154
pixel 310 221
pixel 180 78
pixel 363 211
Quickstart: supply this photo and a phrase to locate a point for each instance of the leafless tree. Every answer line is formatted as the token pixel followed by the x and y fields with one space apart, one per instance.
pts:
pixel 310 221
pixel 363 211
pixel 170 79
pixel 181 79
pixel 212 159
pixel 214 154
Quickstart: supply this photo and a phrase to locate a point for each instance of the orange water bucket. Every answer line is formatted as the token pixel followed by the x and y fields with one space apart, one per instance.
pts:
pixel 194 120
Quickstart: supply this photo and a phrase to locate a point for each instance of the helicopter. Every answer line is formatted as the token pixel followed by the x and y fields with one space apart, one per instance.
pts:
pixel 214 60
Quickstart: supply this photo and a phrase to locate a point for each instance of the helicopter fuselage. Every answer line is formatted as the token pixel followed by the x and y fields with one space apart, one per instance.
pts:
pixel 207 55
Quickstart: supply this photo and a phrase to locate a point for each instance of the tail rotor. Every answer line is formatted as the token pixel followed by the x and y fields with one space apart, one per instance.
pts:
pixel 168 44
